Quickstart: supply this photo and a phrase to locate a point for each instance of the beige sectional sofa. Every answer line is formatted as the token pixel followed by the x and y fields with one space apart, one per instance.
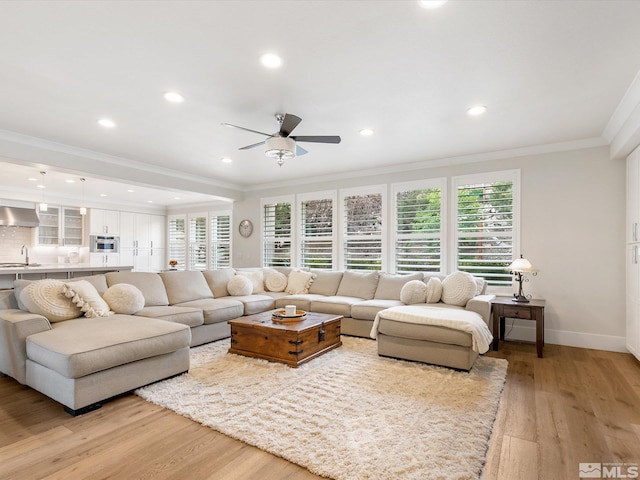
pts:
pixel 83 361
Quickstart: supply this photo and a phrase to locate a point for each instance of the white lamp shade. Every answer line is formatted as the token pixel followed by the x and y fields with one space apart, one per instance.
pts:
pixel 521 265
pixel 280 147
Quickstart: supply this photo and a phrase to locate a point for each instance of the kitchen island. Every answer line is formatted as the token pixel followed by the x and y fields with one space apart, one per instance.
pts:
pixel 62 271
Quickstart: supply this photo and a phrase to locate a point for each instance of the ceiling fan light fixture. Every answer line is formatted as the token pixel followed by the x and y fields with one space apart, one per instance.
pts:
pixel 282 148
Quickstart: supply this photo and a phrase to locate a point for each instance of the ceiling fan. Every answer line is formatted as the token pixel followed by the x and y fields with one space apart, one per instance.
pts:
pixel 281 145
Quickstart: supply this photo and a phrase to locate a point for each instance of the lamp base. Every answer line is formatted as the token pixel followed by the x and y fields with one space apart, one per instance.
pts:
pixel 519 299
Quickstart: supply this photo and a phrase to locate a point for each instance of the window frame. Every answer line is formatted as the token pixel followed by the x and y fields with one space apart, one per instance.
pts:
pixel 323 195
pixel 381 189
pixel 484 178
pixel 426 184
pixel 290 199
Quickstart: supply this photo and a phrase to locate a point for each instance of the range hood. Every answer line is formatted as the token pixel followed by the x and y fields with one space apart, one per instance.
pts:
pixel 18 217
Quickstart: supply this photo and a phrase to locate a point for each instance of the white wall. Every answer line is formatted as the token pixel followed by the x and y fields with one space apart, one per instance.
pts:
pixel 572 229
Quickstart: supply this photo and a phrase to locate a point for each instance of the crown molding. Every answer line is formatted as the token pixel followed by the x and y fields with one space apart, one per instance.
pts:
pixel 448 161
pixel 622 132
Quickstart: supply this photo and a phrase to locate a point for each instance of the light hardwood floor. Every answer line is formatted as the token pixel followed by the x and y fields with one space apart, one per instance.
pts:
pixel 574 405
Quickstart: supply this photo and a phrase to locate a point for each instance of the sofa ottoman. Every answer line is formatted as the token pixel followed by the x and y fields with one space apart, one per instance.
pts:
pixel 452 337
pixel 84 361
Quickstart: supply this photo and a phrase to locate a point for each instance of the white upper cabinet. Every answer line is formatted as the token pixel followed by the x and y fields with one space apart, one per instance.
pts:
pixel 104 222
pixel 61 226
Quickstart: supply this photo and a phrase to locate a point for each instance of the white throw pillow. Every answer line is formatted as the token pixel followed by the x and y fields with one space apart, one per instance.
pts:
pixel 46 297
pixel 124 298
pixel 434 290
pixel 414 291
pixel 274 280
pixel 458 288
pixel 84 295
pixel 239 285
pixel 257 280
pixel 299 281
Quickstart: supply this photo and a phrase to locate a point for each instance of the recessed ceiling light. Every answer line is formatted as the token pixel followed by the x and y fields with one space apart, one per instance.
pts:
pixel 226 160
pixel 366 132
pixel 431 4
pixel 40 186
pixel 130 191
pixel 106 123
pixel 68 180
pixel 271 60
pixel 176 198
pixel 103 194
pixel 476 110
pixel 173 97
pixel 149 201
pixel 31 179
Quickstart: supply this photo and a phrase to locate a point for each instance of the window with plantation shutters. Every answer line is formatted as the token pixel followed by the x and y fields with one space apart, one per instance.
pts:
pixel 277 231
pixel 486 225
pixel 178 240
pixel 418 208
pixel 197 242
pixel 220 235
pixel 316 232
pixel 363 222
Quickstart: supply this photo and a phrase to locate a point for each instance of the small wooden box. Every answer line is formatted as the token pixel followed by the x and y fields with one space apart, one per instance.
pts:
pixel 291 343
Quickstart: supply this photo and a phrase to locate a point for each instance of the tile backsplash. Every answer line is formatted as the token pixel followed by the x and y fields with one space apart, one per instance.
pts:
pixel 11 241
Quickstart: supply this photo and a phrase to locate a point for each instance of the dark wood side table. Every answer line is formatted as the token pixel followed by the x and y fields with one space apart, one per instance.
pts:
pixel 504 307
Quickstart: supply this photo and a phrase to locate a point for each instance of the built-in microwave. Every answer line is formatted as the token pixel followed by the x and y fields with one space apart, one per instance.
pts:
pixel 104 243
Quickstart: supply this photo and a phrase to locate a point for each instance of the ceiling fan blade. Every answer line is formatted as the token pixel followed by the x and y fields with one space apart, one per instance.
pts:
pixel 251 146
pixel 247 129
pixel 288 124
pixel 300 150
pixel 318 138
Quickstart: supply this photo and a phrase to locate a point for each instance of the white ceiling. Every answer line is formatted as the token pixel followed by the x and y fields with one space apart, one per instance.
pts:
pixel 547 71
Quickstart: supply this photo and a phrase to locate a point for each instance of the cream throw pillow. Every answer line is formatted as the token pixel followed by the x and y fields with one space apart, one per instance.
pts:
pixel 239 285
pixel 434 290
pixel 257 280
pixel 299 281
pixel 46 297
pixel 458 288
pixel 414 291
pixel 124 298
pixel 84 295
pixel 274 280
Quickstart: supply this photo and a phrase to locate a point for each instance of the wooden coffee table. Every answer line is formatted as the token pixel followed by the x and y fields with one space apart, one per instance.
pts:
pixel 290 343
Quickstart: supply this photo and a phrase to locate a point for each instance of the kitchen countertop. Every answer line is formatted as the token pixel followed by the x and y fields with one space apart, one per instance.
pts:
pixel 60 267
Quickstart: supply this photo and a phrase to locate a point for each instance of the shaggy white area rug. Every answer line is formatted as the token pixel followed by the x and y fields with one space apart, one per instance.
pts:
pixel 347 414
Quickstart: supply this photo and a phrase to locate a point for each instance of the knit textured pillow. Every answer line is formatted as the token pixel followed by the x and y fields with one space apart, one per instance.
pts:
pixel 84 295
pixel 275 281
pixel 46 297
pixel 458 288
pixel 414 291
pixel 240 285
pixel 124 298
pixel 434 290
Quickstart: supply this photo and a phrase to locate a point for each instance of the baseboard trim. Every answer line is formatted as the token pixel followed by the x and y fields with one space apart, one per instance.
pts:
pixel 569 339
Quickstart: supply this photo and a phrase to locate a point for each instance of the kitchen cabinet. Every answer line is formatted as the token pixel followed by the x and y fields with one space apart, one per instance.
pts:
pixel 142 241
pixel 104 222
pixel 633 254
pixel 105 260
pixel 61 225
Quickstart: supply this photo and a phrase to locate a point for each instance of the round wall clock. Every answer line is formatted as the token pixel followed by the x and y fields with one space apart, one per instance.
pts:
pixel 245 228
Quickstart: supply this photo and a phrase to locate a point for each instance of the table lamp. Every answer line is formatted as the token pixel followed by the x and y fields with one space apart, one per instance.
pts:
pixel 519 267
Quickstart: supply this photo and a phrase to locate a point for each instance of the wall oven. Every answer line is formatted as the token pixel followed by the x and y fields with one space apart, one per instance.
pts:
pixel 104 243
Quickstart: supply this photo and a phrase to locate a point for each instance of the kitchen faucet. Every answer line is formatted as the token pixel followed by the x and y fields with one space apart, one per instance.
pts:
pixel 22 252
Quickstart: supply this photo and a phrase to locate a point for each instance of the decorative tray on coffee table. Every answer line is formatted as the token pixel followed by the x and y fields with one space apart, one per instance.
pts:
pixel 279 316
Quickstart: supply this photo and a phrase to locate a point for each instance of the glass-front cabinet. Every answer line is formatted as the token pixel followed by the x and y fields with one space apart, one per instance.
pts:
pixel 61 226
